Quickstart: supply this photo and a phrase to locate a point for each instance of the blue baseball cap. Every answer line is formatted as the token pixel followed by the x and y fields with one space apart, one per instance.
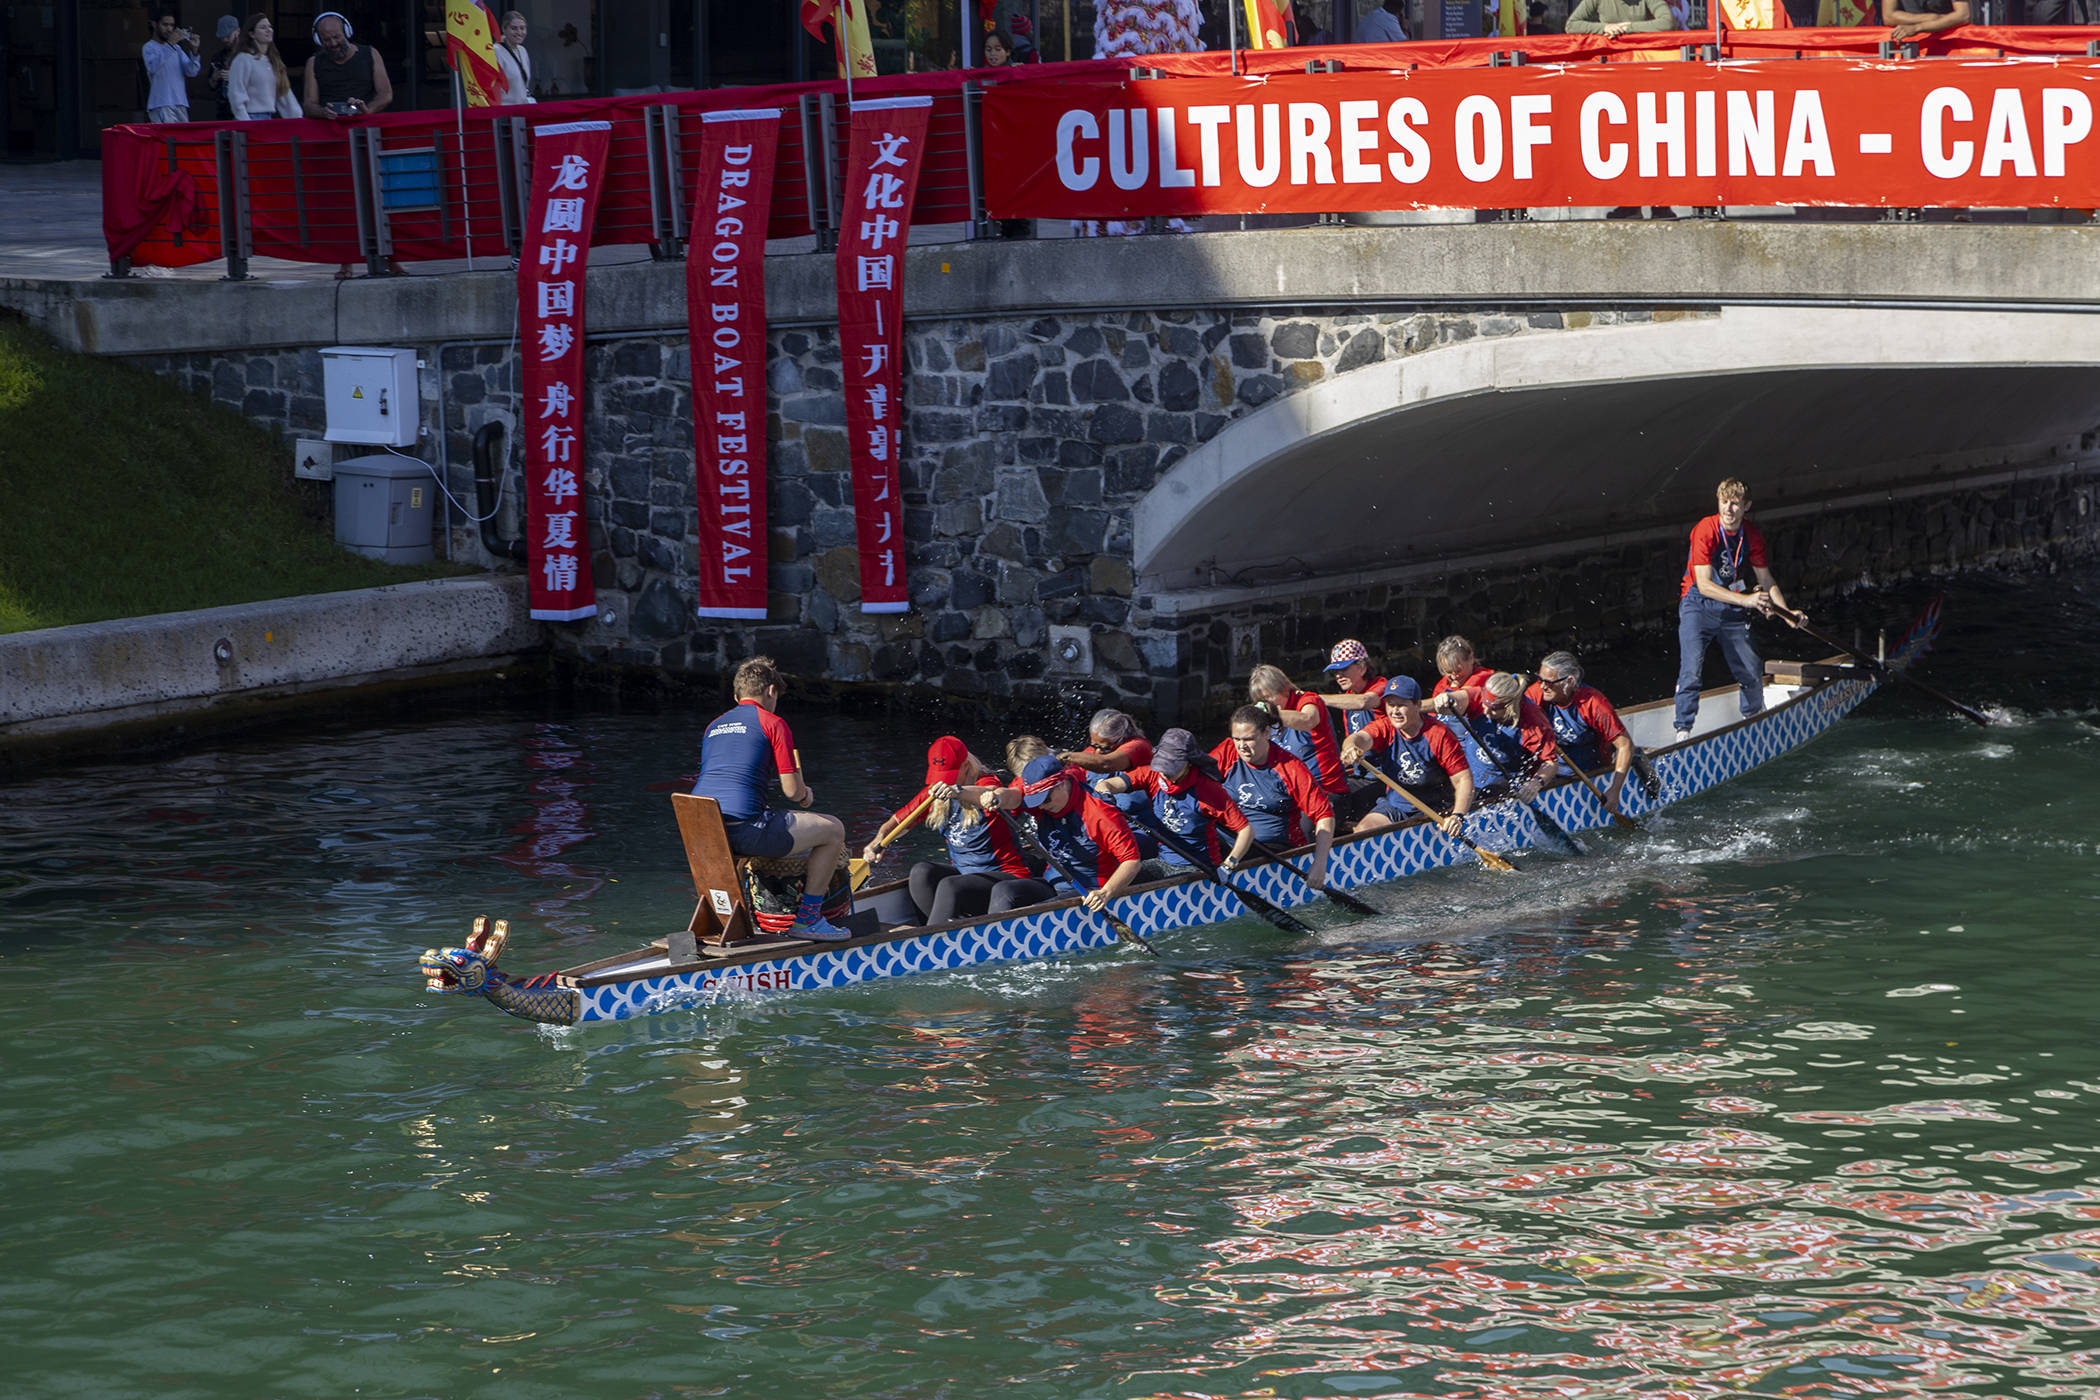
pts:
pixel 1401 688
pixel 1043 773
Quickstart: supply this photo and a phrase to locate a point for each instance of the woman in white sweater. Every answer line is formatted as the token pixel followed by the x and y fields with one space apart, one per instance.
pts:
pixel 514 61
pixel 258 86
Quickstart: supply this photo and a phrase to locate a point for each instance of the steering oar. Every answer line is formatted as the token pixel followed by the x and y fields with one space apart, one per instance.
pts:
pixel 1882 672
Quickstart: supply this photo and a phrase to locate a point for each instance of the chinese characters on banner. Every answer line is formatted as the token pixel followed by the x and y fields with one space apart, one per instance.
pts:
pixel 725 294
pixel 568 171
pixel 885 139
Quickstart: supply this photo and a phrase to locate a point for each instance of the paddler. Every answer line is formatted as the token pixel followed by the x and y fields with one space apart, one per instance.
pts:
pixel 1357 694
pixel 1307 729
pixel 1422 757
pixel 1715 601
pixel 1073 825
pixel 1186 800
pixel 1277 792
pixel 1457 667
pixel 741 752
pixel 1115 745
pixel 981 849
pixel 1513 734
pixel 1585 724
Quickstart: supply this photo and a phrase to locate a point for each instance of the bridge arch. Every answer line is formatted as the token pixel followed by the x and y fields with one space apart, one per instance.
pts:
pixel 1436 456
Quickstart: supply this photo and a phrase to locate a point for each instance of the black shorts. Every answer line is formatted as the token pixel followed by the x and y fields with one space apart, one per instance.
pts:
pixel 765 835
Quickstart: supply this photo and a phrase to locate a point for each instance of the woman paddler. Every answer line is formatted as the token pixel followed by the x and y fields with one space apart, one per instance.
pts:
pixel 982 854
pixel 1187 797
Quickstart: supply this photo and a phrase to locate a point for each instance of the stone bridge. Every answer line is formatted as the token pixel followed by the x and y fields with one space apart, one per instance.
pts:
pixel 1136 466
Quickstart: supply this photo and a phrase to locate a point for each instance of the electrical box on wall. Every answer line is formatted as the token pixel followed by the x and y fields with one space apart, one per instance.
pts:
pixel 371 395
pixel 313 459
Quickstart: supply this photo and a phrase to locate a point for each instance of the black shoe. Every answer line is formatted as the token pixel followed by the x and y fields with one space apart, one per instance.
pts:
pixel 1662 211
pixel 1624 211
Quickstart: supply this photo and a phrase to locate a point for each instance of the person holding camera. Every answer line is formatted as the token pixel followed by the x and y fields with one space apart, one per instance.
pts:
pixel 344 79
pixel 170 57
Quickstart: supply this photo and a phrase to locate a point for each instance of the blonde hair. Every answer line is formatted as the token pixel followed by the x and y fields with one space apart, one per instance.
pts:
pixel 1022 748
pixel 1265 681
pixel 1450 651
pixel 1503 686
pixel 1732 490
pixel 938 810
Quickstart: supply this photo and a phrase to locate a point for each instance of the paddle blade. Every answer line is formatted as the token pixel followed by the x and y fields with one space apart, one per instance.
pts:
pixel 1494 862
pixel 857 872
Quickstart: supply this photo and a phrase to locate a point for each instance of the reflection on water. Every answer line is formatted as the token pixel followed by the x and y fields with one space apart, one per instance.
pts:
pixel 1790 1094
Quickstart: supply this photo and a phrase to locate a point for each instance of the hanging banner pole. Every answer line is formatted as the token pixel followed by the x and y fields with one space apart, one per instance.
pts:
pixel 885 141
pixel 568 175
pixel 725 291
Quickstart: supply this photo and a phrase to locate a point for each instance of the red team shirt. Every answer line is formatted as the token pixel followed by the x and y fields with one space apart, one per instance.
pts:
pixel 1534 730
pixel 1002 837
pixel 1589 702
pixel 1479 677
pixel 1327 755
pixel 1443 745
pixel 1211 799
pixel 1729 559
pixel 1103 824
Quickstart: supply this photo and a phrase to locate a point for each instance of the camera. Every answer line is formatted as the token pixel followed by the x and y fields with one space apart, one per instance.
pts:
pixel 343 109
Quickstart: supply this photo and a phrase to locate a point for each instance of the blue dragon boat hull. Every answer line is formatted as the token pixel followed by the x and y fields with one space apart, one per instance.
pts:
pixel 646 981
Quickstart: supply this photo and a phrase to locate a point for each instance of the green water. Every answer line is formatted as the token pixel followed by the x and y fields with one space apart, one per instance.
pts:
pixel 1792 1094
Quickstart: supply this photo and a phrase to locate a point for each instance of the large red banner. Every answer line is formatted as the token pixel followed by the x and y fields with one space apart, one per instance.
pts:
pixel 568 173
pixel 886 141
pixel 2017 133
pixel 725 295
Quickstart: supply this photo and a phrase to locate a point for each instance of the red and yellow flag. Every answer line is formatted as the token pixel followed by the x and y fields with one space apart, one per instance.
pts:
pixel 470 47
pixel 1754 14
pixel 1269 24
pixel 849 30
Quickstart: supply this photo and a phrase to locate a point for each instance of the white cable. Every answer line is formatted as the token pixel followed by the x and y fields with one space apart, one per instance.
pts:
pixel 471 518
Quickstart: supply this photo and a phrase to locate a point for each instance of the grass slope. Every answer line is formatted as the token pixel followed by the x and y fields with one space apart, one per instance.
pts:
pixel 121 496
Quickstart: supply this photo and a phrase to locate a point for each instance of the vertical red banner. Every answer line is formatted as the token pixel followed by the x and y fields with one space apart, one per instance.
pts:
pixel 725 300
pixel 884 142
pixel 568 173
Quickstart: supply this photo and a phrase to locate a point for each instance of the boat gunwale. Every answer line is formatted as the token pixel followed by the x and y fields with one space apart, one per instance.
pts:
pixel 599 972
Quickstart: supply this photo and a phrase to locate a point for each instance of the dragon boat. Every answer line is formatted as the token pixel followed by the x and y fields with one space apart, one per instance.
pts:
pixel 731 949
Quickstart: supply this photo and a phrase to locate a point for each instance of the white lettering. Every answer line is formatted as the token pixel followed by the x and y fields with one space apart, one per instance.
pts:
pixel 1753 133
pixel 1358 143
pixel 1263 175
pixel 1172 176
pixel 1075 174
pixel 2006 142
pixel 2067 119
pixel 1526 132
pixel 1207 120
pixel 1129 153
pixel 1404 121
pixel 1652 132
pixel 1601 161
pixel 1807 138
pixel 1479 136
pixel 1943 105
pixel 1311 161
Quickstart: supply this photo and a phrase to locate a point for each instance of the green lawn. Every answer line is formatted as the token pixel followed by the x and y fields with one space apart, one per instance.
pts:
pixel 120 496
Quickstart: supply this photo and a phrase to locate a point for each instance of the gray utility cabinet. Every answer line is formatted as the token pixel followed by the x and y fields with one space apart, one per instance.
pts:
pixel 383 508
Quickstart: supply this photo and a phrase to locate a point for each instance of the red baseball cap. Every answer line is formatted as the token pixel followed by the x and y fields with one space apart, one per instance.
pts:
pixel 945 757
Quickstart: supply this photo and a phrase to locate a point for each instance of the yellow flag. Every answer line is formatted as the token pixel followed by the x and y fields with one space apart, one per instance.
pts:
pixel 1753 14
pixel 854 47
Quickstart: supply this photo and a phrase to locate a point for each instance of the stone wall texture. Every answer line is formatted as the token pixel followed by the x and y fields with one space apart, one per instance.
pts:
pixel 1029 440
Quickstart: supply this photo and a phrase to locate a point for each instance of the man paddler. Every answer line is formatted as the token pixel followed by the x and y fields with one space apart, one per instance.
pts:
pixel 1187 801
pixel 741 753
pixel 1513 734
pixel 1422 757
pixel 1277 792
pixel 1585 724
pixel 1073 825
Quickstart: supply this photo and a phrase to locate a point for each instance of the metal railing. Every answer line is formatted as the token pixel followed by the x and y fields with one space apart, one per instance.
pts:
pixel 429 186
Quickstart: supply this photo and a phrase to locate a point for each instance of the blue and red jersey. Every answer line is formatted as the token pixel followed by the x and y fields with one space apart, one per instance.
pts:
pixel 1275 796
pixel 1193 808
pixel 1315 747
pixel 1090 836
pixel 1505 752
pixel 744 752
pixel 1354 721
pixel 1586 726
pixel 982 847
pixel 1429 760
pixel 1734 558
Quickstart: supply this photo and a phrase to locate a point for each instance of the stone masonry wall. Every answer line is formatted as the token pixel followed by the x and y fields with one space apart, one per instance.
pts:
pixel 1028 443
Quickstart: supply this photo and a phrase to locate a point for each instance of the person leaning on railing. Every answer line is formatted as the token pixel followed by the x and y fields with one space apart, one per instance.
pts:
pixel 1611 18
pixel 1911 18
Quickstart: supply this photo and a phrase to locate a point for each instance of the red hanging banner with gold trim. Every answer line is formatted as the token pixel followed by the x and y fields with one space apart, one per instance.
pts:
pixel 885 139
pixel 568 174
pixel 725 292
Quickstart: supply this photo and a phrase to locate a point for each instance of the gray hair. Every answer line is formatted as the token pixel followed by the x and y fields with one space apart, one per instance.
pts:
pixel 1564 662
pixel 1503 686
pixel 1265 681
pixel 1113 726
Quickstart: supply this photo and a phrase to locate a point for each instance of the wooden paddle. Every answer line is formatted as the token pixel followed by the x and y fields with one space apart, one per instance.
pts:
pixel 1281 918
pixel 1487 858
pixel 1619 819
pixel 1123 931
pixel 1800 622
pixel 858 870
pixel 1342 897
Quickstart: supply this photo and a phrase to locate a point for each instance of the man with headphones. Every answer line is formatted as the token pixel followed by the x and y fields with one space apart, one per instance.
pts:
pixel 344 79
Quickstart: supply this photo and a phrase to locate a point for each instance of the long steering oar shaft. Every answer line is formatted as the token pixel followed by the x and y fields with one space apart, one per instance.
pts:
pixel 1801 623
pixel 1281 918
pixel 858 870
pixel 1487 858
pixel 1123 931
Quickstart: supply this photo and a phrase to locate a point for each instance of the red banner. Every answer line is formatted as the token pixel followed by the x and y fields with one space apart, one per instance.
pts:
pixel 886 140
pixel 2017 134
pixel 725 300
pixel 568 174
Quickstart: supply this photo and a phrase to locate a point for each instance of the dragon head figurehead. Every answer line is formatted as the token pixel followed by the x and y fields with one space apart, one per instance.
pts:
pixel 471 971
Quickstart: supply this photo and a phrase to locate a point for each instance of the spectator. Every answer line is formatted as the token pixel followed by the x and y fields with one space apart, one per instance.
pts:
pixel 998 49
pixel 515 62
pixel 1536 21
pixel 1611 18
pixel 344 80
pixel 1910 18
pixel 570 77
pixel 1382 26
pixel 170 58
pixel 259 88
pixel 222 64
